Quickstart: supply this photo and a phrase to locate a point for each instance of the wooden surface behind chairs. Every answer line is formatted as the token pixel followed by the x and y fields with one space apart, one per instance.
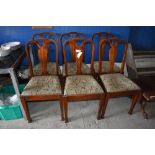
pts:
pixel 81 86
pixel 116 84
pixel 71 64
pixel 45 86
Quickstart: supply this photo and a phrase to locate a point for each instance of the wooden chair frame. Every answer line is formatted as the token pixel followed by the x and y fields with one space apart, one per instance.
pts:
pixel 135 94
pixel 42 52
pixel 67 98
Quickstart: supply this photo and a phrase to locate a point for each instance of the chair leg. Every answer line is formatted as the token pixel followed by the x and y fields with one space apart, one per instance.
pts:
pixel 142 104
pixel 101 103
pixel 65 104
pixel 61 109
pixel 26 110
pixel 135 98
pixel 104 106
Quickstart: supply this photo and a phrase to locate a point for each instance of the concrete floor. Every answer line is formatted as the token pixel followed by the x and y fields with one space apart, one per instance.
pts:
pixel 46 115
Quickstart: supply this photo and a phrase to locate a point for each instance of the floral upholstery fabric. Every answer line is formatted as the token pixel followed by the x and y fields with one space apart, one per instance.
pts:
pixel 105 67
pixel 117 83
pixel 42 85
pixel 72 68
pixel 81 84
pixel 51 69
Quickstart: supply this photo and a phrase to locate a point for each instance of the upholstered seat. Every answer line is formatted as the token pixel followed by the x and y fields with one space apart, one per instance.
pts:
pixel 72 69
pixel 118 83
pixel 51 69
pixel 105 67
pixel 42 85
pixel 81 84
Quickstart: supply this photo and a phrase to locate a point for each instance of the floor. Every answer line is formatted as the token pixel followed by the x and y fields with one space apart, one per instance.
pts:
pixel 46 115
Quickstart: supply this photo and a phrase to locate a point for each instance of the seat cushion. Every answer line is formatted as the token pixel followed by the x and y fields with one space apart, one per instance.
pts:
pixel 117 82
pixel 72 68
pixel 42 85
pixel 51 69
pixel 105 67
pixel 81 84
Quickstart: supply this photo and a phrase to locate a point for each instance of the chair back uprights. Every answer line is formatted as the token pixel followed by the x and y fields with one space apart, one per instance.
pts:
pixel 114 43
pixel 77 53
pixel 43 46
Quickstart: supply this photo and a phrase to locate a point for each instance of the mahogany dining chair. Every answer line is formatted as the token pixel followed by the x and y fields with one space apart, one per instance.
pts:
pixel 45 86
pixel 116 84
pixel 81 86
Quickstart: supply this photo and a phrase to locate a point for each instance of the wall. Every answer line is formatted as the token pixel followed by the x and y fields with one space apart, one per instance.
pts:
pixel 24 33
pixel 142 37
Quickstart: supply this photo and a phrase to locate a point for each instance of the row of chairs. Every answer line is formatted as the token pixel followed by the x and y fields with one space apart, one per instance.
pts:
pixel 76 80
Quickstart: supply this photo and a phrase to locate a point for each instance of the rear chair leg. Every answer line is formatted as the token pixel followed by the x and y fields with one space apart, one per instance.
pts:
pixel 25 106
pixel 101 103
pixel 142 104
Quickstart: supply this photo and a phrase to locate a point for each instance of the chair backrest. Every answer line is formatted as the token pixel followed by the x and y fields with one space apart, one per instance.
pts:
pixel 114 44
pixel 46 35
pixel 42 53
pixel 97 37
pixel 103 35
pixel 70 35
pixel 78 52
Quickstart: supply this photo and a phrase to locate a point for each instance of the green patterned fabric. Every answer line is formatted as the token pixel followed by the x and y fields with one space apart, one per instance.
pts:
pixel 117 82
pixel 42 85
pixel 81 84
pixel 72 69
pixel 105 67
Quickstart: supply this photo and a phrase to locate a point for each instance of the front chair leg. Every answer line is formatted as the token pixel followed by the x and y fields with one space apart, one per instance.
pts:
pixel 104 106
pixel 25 106
pixel 101 103
pixel 65 104
pixel 135 98
pixel 62 109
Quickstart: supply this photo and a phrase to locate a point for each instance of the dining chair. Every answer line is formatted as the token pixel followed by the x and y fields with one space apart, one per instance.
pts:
pixel 33 52
pixel 71 64
pixel 97 37
pixel 116 84
pixel 42 87
pixel 81 86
